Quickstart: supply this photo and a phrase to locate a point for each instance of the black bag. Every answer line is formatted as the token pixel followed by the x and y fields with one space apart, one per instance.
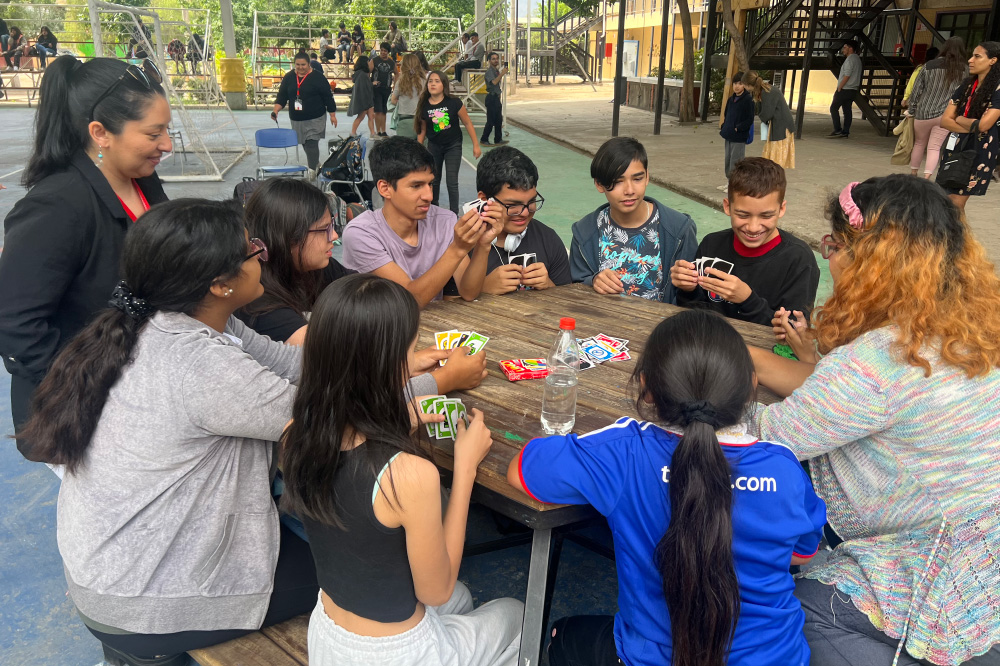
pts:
pixel 245 188
pixel 346 161
pixel 958 163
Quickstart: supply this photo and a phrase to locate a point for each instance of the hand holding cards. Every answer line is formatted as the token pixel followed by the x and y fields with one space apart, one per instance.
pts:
pixel 454 338
pixel 451 408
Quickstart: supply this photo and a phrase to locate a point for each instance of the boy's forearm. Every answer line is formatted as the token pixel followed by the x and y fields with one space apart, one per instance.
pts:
pixel 471 284
pixel 426 287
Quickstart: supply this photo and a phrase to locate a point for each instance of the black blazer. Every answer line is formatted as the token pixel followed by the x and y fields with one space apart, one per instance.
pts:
pixel 60 263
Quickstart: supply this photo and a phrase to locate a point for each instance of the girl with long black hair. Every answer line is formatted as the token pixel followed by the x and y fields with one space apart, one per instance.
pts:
pixel 978 99
pixel 293 219
pixel 706 518
pixel 165 410
pixel 100 131
pixel 371 502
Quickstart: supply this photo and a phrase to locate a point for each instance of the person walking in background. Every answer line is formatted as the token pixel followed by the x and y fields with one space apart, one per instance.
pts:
pixel 45 45
pixel 409 85
pixel 362 97
pixel 311 100
pixel 494 105
pixel 932 91
pixel 438 118
pixel 737 122
pixel 931 54
pixel 396 40
pixel 476 51
pixel 848 82
pixel 774 114
pixel 383 74
pixel 978 99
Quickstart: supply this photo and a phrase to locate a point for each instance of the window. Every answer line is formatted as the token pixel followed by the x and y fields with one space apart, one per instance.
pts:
pixel 970 26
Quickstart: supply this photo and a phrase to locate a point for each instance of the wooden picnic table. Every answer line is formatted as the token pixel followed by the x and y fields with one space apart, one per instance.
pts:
pixel 519 325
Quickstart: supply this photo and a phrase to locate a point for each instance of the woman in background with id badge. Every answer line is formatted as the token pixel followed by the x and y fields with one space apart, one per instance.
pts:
pixel 977 99
pixel 311 99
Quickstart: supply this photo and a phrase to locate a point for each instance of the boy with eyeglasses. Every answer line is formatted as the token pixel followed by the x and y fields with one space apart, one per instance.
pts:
pixel 510 178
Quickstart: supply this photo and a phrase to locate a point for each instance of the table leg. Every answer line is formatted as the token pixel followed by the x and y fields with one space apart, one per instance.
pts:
pixel 534 600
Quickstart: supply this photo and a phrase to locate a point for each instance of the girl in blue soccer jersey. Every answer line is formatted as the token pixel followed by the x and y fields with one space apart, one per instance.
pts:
pixel 706 518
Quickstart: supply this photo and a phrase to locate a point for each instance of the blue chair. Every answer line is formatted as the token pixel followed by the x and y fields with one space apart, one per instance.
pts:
pixel 277 137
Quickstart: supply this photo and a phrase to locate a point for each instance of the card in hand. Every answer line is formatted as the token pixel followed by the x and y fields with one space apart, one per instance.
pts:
pixel 443 429
pixel 475 204
pixel 476 342
pixel 428 406
pixel 455 412
pixel 441 339
pixel 722 265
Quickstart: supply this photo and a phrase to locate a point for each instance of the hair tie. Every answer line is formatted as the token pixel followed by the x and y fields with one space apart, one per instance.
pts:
pixel 123 299
pixel 854 216
pixel 699 410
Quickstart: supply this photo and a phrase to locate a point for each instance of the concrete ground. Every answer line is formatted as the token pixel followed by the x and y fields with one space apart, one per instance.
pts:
pixel 689 159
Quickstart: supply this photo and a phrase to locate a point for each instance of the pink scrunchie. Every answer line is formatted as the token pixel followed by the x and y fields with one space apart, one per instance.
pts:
pixel 854 217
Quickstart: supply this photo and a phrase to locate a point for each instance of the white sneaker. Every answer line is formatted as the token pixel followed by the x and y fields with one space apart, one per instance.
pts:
pixel 17 69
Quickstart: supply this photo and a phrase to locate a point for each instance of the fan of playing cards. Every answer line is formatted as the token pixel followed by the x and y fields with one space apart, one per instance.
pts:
pixel 601 348
pixel 704 263
pixel 454 338
pixel 453 411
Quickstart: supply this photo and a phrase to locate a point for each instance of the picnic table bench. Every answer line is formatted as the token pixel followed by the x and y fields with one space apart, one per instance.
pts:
pixel 519 325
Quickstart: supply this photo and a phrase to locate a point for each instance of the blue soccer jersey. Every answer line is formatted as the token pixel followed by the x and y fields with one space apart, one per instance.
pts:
pixel 623 471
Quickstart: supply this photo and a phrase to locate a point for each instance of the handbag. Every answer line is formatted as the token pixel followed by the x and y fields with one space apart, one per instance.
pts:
pixel 750 138
pixel 765 131
pixel 394 114
pixel 958 163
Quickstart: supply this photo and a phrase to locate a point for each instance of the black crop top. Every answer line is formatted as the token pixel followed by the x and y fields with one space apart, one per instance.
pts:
pixel 363 568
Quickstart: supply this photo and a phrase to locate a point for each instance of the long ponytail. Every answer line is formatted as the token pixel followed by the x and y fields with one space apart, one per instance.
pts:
pixel 171 258
pixel 696 374
pixel 69 91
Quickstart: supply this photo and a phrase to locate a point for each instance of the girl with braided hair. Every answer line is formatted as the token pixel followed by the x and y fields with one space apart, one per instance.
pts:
pixel 706 518
pixel 978 99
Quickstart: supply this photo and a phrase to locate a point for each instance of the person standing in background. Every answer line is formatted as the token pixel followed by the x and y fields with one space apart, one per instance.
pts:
pixel 494 105
pixel 931 54
pixel 929 100
pixel 383 73
pixel 774 113
pixel 737 123
pixel 311 99
pixel 410 84
pixel 848 82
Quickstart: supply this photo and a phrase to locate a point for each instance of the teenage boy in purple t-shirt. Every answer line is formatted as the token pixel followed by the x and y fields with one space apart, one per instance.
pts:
pixel 412 242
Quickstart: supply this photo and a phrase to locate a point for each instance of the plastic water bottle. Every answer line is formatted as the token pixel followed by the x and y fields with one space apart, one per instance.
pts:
pixel 559 399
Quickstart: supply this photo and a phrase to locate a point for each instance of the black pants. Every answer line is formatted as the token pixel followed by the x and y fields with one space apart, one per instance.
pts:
pixel 450 159
pixel 295 591
pixel 467 64
pixel 843 99
pixel 583 640
pixel 494 119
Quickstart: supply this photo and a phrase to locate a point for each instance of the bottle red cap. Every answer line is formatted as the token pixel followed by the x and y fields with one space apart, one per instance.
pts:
pixel 567 323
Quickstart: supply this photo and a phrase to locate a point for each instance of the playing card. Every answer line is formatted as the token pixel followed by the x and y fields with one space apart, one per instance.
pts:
pixel 722 265
pixel 454 338
pixel 476 342
pixel 461 340
pixel 621 356
pixel 476 204
pixel 529 258
pixel 427 406
pixel 455 412
pixel 441 339
pixel 518 259
pixel 614 343
pixel 586 363
pixel 597 351
pixel 444 428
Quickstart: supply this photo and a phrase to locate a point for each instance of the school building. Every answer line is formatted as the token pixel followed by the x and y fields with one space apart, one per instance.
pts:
pixel 784 37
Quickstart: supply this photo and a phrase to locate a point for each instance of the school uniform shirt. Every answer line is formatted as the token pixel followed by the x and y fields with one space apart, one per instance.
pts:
pixel 782 273
pixel 547 247
pixel 623 471
pixel 313 90
pixel 441 122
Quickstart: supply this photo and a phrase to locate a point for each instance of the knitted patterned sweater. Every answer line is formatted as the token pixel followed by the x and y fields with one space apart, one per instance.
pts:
pixel 908 468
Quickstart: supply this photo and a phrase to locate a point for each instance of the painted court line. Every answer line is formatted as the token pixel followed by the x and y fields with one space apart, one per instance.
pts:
pixel 14 173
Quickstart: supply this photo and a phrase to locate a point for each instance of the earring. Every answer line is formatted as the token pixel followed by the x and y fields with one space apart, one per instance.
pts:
pixel 100 158
pixel 230 292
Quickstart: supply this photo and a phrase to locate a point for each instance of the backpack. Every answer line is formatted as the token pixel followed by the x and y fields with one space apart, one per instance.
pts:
pixel 345 161
pixel 245 188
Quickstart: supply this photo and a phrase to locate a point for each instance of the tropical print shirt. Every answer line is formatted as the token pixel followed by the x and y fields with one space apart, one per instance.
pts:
pixel 634 254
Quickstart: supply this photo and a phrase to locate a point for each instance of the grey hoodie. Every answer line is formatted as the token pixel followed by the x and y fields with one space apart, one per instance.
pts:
pixel 169 524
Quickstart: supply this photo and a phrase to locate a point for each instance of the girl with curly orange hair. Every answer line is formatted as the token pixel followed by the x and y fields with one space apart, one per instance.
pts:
pixel 899 422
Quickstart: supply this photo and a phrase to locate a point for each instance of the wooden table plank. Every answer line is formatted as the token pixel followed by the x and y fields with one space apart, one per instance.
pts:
pixel 523 325
pixel 291 636
pixel 254 649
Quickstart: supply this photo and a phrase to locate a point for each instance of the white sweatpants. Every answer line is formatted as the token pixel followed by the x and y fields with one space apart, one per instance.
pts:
pixel 454 634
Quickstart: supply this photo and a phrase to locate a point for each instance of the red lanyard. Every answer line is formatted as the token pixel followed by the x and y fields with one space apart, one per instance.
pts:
pixel 298 84
pixel 142 198
pixel 972 93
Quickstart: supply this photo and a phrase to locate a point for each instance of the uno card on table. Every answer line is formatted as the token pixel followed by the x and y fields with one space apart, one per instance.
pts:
pixel 597 351
pixel 429 406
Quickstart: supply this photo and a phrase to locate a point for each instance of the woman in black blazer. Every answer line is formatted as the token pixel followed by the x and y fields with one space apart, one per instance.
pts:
pixel 100 131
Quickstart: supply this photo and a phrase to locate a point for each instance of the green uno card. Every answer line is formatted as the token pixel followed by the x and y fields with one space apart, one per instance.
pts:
pixel 428 406
pixel 455 412
pixel 476 342
pixel 444 428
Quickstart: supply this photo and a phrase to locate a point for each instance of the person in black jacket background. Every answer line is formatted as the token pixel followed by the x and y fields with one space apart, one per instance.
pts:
pixel 737 121
pixel 311 98
pixel 100 131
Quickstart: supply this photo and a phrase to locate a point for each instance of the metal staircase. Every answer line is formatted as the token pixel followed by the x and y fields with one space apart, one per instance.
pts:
pixel 560 48
pixel 777 38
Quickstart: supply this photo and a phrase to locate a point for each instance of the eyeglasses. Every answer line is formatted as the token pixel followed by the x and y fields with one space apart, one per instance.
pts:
pixel 520 208
pixel 828 246
pixel 258 249
pixel 330 229
pixel 147 76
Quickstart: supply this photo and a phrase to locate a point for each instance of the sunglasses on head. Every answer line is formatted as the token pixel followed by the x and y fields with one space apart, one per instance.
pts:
pixel 146 76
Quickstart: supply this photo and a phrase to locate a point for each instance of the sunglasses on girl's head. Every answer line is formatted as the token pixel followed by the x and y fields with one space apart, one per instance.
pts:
pixel 828 246
pixel 146 76
pixel 258 247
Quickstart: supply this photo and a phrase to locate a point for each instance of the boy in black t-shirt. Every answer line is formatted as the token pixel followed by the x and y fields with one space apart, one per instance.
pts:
pixel 383 69
pixel 768 269
pixel 510 178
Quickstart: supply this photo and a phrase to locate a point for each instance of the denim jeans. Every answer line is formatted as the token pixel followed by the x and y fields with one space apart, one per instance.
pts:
pixel 43 52
pixel 843 99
